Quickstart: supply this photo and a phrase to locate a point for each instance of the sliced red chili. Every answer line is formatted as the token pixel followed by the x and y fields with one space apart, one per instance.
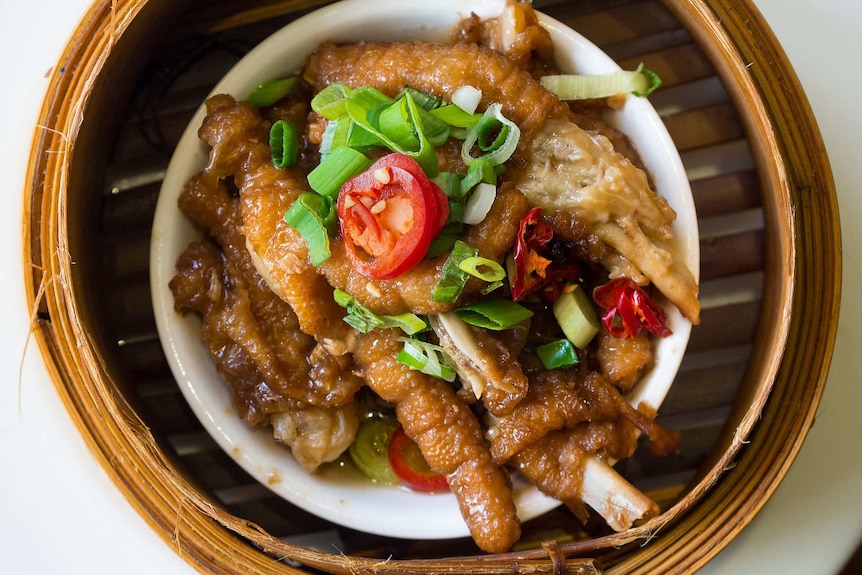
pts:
pixel 410 467
pixel 629 309
pixel 537 269
pixel 388 216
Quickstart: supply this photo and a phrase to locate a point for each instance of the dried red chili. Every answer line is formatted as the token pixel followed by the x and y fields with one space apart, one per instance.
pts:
pixel 537 269
pixel 629 309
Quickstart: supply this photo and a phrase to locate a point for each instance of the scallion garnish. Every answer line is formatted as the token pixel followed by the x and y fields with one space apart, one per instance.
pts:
pixel 479 203
pixel 450 183
pixel 329 102
pixel 313 216
pixel 557 354
pixel 467 98
pixel 495 314
pixel 479 171
pixel 395 122
pixel 427 358
pixel 342 164
pixel 640 82
pixel 451 232
pixel 491 287
pixel 483 268
pixel 363 101
pixel 423 100
pixel 501 148
pixel 363 319
pixel 455 116
pixel 284 143
pixel 271 92
pixel 576 315
pixel 454 278
pixel 336 134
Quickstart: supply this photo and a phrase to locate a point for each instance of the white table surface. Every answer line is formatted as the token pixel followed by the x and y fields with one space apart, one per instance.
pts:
pixel 60 513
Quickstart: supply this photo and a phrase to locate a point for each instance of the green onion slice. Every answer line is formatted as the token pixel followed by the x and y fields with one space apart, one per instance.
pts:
pixel 491 287
pixel 427 358
pixel 330 101
pixel 455 116
pixel 640 82
pixel 423 99
pixel 557 354
pixel 483 268
pixel 480 171
pixel 479 203
pixel 284 143
pixel 495 314
pixel 363 319
pixel 454 278
pixel 314 217
pixel 502 148
pixel 363 101
pixel 467 98
pixel 269 93
pixel 395 122
pixel 577 317
pixel 342 164
pixel 450 183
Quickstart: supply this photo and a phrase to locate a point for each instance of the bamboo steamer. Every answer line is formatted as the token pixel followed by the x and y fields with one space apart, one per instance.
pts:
pixel 767 215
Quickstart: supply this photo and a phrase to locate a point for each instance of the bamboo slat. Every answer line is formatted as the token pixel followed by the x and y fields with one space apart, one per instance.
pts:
pixel 769 242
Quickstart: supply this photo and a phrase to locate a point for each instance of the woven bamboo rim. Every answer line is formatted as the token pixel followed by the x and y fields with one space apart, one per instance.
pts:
pixel 780 400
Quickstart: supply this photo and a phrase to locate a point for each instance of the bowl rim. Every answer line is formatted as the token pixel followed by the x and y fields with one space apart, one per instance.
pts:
pixel 254 449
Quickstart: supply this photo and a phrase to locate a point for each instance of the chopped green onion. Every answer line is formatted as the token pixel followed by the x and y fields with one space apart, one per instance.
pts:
pixel 452 230
pixel 269 93
pixel 331 138
pixel 481 170
pixel 342 164
pixel 423 99
pixel 359 138
pixel 330 101
pixel 443 243
pixel 454 278
pixel 370 450
pixel 640 82
pixel 502 150
pixel 455 116
pixel 479 203
pixel 491 134
pixel 394 121
pixel 435 129
pixel 467 98
pixel 428 358
pixel 577 316
pixel 450 183
pixel 313 216
pixel 363 319
pixel 495 314
pixel 483 268
pixel 363 101
pixel 557 354
pixel 491 287
pixel 284 143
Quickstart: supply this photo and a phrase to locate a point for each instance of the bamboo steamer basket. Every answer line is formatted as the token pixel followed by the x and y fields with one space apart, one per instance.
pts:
pixel 746 394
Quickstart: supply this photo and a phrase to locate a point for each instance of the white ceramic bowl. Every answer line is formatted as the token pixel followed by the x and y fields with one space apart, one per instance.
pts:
pixel 353 503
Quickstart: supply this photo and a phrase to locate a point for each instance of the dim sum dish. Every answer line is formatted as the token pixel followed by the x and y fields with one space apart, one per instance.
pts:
pixel 429 270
